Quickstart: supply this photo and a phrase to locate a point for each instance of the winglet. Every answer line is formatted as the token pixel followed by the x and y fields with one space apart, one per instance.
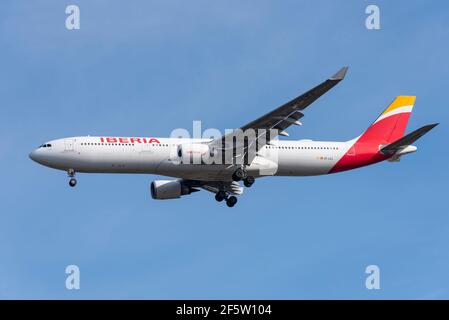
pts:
pixel 340 75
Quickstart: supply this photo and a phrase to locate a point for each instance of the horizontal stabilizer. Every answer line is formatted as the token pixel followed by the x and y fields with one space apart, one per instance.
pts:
pixel 407 140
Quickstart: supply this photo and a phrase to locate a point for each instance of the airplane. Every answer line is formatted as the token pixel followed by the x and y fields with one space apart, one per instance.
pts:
pixel 218 165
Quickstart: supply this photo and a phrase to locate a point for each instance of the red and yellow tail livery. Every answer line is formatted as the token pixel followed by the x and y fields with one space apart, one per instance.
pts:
pixel 391 124
pixel 388 128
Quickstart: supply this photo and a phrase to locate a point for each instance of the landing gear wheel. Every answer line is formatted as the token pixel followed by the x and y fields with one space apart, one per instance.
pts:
pixel 249 181
pixel 72 182
pixel 231 201
pixel 239 174
pixel 220 196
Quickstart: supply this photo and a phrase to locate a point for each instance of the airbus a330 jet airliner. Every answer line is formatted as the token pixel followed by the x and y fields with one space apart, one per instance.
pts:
pixel 219 165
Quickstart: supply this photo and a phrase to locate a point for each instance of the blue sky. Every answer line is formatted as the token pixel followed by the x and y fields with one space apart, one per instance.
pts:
pixel 146 67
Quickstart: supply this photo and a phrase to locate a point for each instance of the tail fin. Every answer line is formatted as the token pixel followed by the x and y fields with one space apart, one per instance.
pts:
pixel 391 124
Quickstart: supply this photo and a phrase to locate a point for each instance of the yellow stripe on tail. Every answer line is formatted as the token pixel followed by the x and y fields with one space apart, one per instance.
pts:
pixel 400 101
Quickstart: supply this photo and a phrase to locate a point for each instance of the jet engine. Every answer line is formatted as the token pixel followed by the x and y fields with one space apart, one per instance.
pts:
pixel 169 189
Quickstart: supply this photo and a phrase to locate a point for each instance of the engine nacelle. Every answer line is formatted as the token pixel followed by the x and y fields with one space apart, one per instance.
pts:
pixel 194 153
pixel 168 189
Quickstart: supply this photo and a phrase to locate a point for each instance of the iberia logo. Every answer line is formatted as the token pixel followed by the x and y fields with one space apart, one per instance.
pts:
pixel 128 140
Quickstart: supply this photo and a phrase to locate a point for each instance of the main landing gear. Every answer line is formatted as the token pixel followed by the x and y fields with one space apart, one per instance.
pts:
pixel 231 201
pixel 241 174
pixel 71 174
pixel 249 181
pixel 222 195
pixel 238 175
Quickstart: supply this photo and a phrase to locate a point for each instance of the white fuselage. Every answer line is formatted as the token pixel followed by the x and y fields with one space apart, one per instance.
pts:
pixel 158 156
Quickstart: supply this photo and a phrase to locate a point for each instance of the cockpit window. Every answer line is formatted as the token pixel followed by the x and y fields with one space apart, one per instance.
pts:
pixel 48 145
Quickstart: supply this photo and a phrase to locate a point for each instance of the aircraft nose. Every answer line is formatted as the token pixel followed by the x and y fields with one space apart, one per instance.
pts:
pixel 34 155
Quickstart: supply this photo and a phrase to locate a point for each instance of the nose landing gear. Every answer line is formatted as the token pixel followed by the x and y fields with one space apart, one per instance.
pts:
pixel 71 174
pixel 72 182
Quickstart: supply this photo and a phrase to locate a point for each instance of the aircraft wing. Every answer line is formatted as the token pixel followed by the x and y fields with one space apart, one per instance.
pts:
pixel 273 123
